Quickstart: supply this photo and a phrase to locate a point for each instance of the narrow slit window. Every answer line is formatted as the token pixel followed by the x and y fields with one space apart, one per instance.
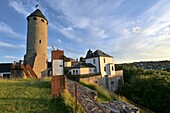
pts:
pixel 40 41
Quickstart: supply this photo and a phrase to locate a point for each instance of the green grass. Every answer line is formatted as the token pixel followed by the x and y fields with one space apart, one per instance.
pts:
pixel 103 94
pixel 26 96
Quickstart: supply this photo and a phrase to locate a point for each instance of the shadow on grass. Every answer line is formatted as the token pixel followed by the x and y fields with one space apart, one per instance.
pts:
pixel 35 83
pixel 27 105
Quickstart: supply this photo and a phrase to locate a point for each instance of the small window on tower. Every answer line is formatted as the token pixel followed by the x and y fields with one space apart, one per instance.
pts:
pixel 40 41
pixel 34 18
pixel 42 20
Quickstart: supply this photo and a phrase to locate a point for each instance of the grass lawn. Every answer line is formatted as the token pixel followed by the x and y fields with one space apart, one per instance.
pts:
pixel 27 96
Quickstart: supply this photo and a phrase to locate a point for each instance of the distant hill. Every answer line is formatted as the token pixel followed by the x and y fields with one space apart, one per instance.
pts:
pixel 150 65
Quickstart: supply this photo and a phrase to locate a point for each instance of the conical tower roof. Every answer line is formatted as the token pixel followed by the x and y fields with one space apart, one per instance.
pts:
pixel 37 13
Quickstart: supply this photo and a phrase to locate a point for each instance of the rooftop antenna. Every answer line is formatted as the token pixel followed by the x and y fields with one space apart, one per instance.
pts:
pixel 53 47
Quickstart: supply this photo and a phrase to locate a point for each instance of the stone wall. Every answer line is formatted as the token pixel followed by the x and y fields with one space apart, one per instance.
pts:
pixel 109 82
pixel 36 54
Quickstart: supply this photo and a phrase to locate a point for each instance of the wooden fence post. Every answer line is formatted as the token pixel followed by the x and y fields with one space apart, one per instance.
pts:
pixel 75 85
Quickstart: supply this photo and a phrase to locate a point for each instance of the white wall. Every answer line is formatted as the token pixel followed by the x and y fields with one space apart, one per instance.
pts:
pixel 108 60
pixel 82 71
pixel 2 74
pixel 110 69
pixel 75 71
pixel 96 64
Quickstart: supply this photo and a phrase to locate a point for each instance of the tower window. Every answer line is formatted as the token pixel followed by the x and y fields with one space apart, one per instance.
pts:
pixel 40 41
pixel 42 20
pixel 34 18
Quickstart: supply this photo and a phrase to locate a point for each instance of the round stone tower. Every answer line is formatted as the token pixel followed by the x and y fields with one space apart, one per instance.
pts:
pixel 36 52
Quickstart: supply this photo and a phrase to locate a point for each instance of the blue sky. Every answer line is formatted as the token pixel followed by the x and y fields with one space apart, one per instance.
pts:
pixel 128 30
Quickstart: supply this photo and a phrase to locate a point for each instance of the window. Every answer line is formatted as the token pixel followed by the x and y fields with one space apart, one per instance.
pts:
pixel 42 20
pixel 104 60
pixel 90 70
pixel 94 70
pixel 40 41
pixel 112 68
pixel 73 72
pixel 104 68
pixel 94 61
pixel 34 18
pixel 77 72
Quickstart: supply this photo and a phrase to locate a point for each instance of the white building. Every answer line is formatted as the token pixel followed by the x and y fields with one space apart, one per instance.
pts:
pixel 83 69
pixel 103 62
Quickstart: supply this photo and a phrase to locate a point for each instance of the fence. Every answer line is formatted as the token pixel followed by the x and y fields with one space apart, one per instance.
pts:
pixel 85 97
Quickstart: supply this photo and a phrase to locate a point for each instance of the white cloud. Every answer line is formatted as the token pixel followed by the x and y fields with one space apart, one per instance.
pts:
pixel 8 45
pixel 7 30
pixel 59 41
pixel 11 57
pixel 104 25
pixel 136 29
pixel 3 44
pixel 19 7
pixel 23 7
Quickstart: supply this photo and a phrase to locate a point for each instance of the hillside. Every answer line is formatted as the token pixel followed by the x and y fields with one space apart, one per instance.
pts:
pixel 18 96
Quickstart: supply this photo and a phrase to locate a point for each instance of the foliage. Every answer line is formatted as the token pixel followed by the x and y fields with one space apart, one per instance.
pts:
pixel 148 88
pixel 28 95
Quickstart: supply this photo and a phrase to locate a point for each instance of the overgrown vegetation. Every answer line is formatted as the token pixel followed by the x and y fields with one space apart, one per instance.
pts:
pixel 103 94
pixel 148 88
pixel 28 95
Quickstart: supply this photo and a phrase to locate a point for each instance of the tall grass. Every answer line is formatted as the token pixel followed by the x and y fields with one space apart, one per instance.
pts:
pixel 70 101
pixel 103 94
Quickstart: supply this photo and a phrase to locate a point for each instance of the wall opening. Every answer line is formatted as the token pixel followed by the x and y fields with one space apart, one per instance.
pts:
pixel 34 18
pixel 42 20
pixel 40 41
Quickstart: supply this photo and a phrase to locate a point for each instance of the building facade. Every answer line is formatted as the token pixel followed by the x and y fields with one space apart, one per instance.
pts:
pixel 83 69
pixel 37 36
pixel 103 62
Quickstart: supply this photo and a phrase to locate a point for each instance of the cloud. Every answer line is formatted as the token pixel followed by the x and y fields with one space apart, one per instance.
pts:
pixel 8 31
pixel 3 44
pixel 11 57
pixel 125 32
pixel 8 45
pixel 23 7
pixel 19 7
pixel 136 29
